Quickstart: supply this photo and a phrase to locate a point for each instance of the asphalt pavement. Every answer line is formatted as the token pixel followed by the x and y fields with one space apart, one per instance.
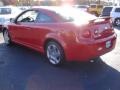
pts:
pixel 25 69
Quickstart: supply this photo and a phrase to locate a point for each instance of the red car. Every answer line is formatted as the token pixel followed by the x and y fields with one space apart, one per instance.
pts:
pixel 63 34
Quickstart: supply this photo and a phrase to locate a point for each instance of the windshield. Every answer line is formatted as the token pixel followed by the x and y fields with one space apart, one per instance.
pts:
pixel 5 11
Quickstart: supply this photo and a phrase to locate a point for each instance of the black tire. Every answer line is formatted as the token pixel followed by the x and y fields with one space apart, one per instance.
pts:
pixel 54 53
pixel 96 60
pixel 117 22
pixel 6 37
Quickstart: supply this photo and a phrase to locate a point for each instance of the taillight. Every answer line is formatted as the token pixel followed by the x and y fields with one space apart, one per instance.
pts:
pixel 86 34
pixel 111 23
pixel 96 33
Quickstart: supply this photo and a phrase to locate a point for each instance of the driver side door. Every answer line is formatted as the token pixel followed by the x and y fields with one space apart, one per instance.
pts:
pixel 23 26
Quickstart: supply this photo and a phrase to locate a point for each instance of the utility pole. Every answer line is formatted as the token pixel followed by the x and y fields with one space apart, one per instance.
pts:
pixel 99 1
pixel 113 2
pixel 88 2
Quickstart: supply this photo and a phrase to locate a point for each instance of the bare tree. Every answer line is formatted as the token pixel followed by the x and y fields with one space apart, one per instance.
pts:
pixel 8 2
pixel 99 1
pixel 25 2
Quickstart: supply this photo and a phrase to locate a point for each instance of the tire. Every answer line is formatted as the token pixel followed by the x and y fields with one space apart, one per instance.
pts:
pixel 54 53
pixel 117 22
pixel 96 60
pixel 6 37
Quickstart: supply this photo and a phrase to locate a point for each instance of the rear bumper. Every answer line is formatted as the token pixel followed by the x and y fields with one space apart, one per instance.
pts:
pixel 86 52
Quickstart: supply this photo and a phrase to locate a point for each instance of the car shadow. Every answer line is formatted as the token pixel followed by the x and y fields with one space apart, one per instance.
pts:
pixel 25 69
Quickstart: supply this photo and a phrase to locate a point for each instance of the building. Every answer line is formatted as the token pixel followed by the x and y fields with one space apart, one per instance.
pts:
pixel 1 3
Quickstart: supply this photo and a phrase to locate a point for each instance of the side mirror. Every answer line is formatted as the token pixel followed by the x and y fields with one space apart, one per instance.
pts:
pixel 12 20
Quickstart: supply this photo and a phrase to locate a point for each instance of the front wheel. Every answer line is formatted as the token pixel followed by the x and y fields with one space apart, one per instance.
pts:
pixel 6 37
pixel 54 53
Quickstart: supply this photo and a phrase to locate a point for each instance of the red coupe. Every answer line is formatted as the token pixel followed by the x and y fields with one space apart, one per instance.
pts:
pixel 63 34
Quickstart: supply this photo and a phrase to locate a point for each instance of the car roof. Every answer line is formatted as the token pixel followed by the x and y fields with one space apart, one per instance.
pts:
pixel 53 8
pixel 47 7
pixel 8 7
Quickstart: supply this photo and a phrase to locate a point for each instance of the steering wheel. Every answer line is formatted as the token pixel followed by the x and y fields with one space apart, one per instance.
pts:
pixel 27 19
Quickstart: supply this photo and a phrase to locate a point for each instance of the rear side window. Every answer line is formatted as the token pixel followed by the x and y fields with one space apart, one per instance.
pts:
pixel 107 9
pixel 44 18
pixel 117 10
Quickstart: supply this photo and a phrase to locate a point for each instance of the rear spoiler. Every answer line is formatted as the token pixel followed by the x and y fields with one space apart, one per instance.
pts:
pixel 100 19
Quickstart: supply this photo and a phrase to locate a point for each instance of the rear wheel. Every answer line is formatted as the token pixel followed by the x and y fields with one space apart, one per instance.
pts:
pixel 6 37
pixel 54 53
pixel 96 60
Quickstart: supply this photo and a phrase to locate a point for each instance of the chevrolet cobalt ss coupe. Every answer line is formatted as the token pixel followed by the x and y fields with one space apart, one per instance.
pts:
pixel 62 34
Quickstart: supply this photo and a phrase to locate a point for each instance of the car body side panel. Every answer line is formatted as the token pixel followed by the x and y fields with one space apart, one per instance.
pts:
pixel 35 35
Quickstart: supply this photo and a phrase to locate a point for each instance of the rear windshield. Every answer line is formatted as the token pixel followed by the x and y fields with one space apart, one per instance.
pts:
pixel 107 9
pixel 74 15
pixel 5 11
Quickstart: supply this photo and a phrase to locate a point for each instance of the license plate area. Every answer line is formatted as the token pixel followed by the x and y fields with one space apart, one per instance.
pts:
pixel 108 44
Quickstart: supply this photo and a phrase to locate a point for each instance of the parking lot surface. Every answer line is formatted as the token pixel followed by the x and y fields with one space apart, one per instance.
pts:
pixel 25 69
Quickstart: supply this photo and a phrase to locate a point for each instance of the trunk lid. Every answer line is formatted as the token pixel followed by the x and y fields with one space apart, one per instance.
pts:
pixel 101 28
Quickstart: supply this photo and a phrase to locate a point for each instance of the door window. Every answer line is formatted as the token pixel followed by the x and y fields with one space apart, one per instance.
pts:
pixel 29 16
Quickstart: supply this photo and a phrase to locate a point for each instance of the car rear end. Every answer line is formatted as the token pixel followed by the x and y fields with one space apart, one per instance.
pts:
pixel 92 37
pixel 94 40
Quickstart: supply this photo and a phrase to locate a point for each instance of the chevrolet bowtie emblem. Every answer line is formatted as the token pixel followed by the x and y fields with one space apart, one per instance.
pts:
pixel 96 31
pixel 106 27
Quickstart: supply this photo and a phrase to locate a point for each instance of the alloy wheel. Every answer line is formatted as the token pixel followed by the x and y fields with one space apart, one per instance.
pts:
pixel 54 53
